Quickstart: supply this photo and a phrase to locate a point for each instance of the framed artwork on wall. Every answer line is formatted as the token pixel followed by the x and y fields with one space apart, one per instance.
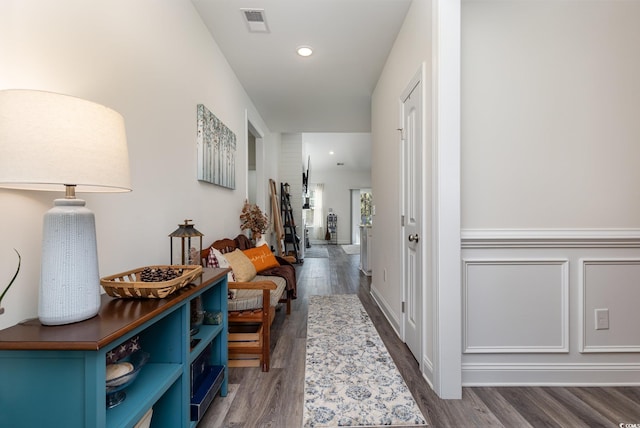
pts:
pixel 216 150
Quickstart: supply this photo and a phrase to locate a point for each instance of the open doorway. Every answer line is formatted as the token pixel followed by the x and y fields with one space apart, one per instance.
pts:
pixel 360 213
pixel 252 181
pixel 256 181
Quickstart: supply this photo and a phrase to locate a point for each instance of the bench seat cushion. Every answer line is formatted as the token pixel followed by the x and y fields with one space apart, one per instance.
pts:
pixel 252 299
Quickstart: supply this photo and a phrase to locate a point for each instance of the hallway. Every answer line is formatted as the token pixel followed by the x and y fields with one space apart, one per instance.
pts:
pixel 274 399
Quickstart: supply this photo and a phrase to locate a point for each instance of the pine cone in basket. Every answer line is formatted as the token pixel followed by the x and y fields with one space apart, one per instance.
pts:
pixel 159 274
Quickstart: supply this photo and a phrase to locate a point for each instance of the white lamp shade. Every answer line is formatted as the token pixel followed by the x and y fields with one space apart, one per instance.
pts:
pixel 48 140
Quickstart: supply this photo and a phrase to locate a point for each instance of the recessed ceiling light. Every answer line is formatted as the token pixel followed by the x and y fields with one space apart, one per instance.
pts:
pixel 331 152
pixel 304 51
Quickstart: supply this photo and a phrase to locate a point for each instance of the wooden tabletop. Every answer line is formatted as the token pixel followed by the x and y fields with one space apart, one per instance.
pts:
pixel 115 318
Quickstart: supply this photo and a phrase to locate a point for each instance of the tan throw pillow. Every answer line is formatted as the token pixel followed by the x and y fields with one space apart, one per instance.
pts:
pixel 243 269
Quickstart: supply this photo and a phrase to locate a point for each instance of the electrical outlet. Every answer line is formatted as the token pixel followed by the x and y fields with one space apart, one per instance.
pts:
pixel 602 319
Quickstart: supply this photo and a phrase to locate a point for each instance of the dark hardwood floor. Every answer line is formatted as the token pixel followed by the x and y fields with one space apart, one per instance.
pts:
pixel 274 399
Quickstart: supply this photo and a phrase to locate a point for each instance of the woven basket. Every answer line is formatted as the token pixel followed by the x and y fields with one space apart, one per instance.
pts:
pixel 128 284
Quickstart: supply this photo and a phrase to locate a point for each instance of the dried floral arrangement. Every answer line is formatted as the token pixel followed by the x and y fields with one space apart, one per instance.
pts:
pixel 253 219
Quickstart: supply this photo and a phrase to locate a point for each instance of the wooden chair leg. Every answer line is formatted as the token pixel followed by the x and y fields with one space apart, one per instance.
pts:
pixel 266 330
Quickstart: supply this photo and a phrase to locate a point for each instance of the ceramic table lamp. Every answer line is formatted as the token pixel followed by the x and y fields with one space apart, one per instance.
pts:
pixel 50 141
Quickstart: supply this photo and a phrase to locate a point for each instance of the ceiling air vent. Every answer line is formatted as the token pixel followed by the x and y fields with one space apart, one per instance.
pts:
pixel 255 20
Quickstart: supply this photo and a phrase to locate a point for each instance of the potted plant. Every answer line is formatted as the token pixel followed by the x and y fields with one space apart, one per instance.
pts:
pixel 252 218
pixel 10 282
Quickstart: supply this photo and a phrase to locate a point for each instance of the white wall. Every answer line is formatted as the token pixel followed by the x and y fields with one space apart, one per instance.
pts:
pixel 152 61
pixel 429 44
pixel 412 49
pixel 550 208
pixel 550 102
pixel 291 172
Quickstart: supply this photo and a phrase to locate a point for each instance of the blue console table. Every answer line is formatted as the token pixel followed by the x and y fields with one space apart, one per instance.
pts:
pixel 54 376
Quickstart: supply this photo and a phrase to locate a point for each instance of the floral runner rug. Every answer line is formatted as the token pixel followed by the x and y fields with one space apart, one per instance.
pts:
pixel 350 378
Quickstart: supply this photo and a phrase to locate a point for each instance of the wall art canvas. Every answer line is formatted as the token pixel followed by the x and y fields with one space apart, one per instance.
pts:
pixel 216 150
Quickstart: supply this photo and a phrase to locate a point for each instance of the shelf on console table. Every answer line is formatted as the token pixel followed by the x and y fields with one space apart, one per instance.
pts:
pixel 55 375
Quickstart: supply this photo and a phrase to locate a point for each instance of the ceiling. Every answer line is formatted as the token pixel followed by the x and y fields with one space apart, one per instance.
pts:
pixel 336 152
pixel 329 91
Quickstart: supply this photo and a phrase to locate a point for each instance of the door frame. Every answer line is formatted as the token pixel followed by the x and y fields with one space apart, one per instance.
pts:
pixel 354 195
pixel 262 184
pixel 447 328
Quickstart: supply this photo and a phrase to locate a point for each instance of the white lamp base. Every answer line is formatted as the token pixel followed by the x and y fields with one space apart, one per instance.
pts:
pixel 69 281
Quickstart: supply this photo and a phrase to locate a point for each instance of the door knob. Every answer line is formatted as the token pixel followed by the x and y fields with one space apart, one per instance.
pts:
pixel 413 238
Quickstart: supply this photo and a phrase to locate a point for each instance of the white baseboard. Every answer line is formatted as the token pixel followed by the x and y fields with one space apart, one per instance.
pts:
pixel 322 242
pixel 606 374
pixel 386 310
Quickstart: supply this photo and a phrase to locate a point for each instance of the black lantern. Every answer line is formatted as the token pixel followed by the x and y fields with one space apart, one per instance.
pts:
pixel 184 232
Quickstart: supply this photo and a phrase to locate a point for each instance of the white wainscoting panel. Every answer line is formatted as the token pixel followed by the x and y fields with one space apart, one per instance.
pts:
pixel 602 283
pixel 529 301
pixel 515 306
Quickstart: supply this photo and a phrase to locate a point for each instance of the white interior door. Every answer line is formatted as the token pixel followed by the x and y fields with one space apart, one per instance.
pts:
pixel 413 239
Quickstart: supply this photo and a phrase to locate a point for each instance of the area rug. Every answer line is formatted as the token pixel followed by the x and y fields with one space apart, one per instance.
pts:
pixel 316 252
pixel 351 249
pixel 350 379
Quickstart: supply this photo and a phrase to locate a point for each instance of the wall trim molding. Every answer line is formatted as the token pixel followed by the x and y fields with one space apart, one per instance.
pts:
pixel 562 347
pixel 549 374
pixel 550 238
pixel 583 346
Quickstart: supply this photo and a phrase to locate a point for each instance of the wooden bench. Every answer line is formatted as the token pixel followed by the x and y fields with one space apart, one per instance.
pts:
pixel 251 313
